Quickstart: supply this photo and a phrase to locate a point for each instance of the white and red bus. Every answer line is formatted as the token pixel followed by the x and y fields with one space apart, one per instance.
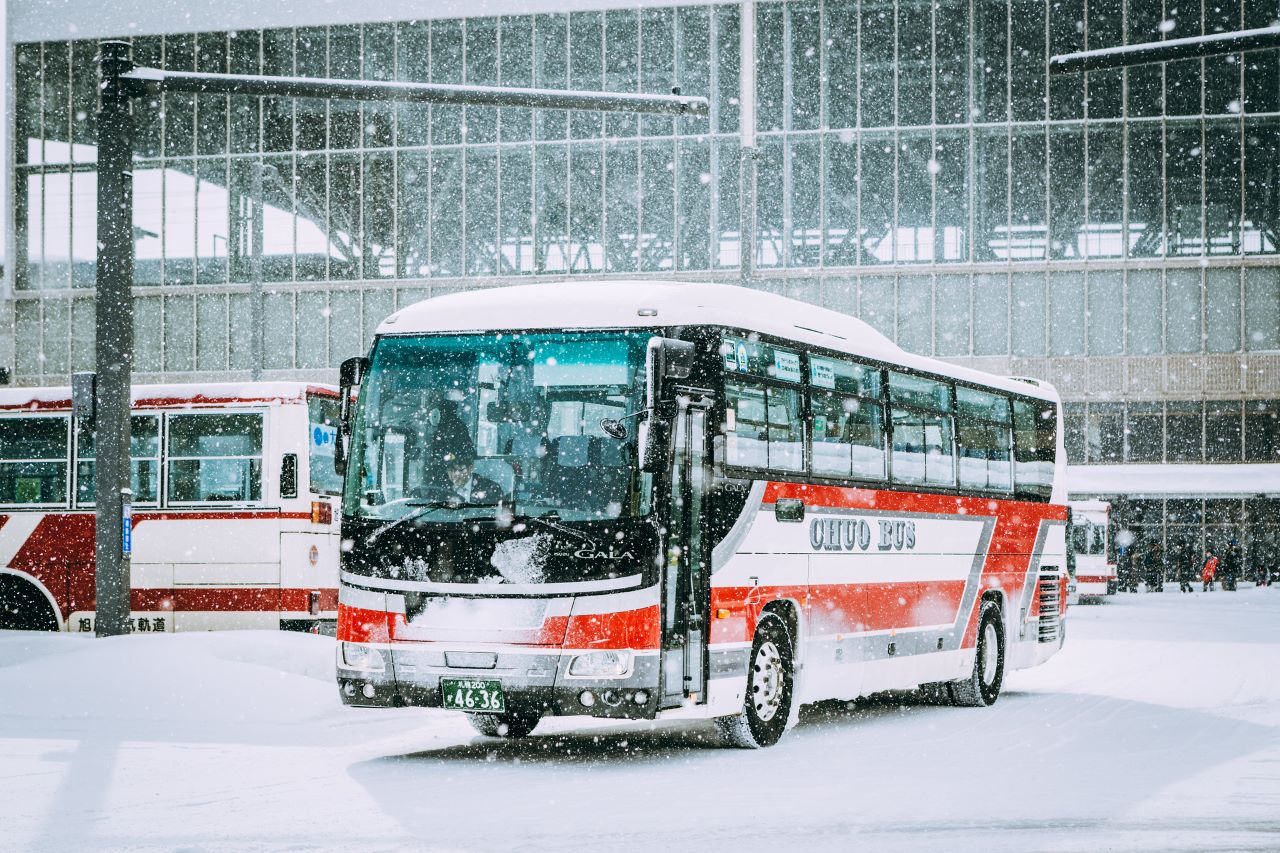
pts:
pixel 233 508
pixel 1094 571
pixel 644 500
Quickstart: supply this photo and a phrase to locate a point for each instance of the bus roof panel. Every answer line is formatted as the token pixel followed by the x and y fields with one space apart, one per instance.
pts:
pixel 646 304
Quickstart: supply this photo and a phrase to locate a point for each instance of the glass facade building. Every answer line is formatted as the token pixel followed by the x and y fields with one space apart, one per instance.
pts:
pixel 917 167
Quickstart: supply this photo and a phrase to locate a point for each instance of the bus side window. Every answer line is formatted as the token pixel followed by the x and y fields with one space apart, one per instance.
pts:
pixel 763 426
pixel 1080 538
pixel 322 438
pixel 746 426
pixel 144 448
pixel 215 458
pixel 848 436
pixel 848 419
pixel 289 475
pixel 33 461
pixel 923 426
pixel 1035 441
pixel 985 444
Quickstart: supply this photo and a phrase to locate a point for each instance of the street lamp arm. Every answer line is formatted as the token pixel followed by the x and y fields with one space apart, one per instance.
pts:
pixel 1193 47
pixel 156 80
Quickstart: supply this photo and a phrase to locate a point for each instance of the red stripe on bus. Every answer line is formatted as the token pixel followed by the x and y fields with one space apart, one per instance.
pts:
pixel 181 515
pixel 218 515
pixel 229 599
pixel 626 629
pixel 842 497
pixel 358 625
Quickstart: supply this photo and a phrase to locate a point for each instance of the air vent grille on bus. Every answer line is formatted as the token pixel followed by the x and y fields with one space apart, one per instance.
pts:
pixel 1050 608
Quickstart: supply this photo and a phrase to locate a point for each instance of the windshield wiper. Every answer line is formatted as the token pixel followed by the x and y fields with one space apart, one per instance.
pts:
pixel 551 520
pixel 422 508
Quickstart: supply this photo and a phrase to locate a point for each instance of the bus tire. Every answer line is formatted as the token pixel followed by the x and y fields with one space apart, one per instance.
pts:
pixel 511 725
pixel 982 687
pixel 770 690
pixel 23 608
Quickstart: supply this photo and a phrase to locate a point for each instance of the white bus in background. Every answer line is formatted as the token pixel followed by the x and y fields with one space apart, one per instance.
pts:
pixel 233 517
pixel 1095 571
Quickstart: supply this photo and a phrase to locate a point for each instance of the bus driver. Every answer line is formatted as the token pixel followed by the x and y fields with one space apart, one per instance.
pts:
pixel 457 454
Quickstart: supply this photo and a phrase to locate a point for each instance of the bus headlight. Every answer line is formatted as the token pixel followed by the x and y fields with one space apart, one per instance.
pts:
pixel 608 664
pixel 362 657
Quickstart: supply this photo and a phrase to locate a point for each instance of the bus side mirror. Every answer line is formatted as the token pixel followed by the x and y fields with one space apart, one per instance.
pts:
pixel 665 359
pixel 350 374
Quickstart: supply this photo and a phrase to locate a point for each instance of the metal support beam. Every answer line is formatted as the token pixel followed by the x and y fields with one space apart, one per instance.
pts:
pixel 113 340
pixel 155 80
pixel 1194 47
pixel 257 307
pixel 747 141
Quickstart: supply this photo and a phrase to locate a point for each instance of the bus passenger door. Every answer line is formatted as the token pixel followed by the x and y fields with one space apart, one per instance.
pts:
pixel 686 578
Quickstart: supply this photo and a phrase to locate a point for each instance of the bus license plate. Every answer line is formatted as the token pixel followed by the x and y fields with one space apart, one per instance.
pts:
pixel 471 694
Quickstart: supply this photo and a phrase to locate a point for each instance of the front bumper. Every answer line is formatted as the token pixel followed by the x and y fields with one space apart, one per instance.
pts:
pixel 531 679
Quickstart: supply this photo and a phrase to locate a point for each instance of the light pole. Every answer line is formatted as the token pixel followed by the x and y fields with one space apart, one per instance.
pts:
pixel 119 82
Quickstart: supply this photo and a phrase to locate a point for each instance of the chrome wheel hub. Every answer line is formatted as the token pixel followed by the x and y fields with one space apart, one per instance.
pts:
pixel 767 681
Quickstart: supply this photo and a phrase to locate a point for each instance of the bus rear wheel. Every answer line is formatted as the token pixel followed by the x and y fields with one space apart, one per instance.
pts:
pixel 770 690
pixel 982 687
pixel 23 608
pixel 512 724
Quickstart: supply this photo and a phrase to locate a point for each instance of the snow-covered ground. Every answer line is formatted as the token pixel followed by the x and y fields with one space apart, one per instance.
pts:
pixel 1156 728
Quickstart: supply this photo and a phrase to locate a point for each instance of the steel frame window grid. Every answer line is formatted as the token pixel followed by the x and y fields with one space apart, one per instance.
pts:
pixel 679 138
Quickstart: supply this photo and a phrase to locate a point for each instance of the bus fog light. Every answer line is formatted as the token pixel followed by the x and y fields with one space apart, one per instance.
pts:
pixel 641 697
pixel 587 698
pixel 367 690
pixel 606 664
pixel 612 698
pixel 348 690
pixel 362 657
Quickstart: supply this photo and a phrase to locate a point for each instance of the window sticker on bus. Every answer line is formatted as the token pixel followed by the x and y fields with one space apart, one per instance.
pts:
pixel 743 356
pixel 786 365
pixel 822 373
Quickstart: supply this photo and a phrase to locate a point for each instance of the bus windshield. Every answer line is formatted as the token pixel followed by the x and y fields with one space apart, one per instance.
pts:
pixel 450 427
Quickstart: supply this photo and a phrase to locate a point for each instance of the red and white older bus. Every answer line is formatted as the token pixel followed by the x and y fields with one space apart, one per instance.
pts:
pixel 233 521
pixel 1095 573
pixel 643 500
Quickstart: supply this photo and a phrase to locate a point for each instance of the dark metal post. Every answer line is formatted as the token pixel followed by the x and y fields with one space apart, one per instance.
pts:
pixel 113 340
pixel 257 339
pixel 747 141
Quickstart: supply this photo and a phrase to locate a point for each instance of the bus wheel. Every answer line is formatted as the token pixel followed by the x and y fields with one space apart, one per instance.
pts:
pixel 770 689
pixel 513 724
pixel 23 608
pixel 982 687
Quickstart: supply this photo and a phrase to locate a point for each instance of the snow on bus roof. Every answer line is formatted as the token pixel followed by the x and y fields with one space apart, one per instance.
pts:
pixel 171 394
pixel 589 304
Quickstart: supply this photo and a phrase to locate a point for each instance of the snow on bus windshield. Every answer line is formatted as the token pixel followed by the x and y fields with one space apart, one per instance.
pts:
pixel 451 425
